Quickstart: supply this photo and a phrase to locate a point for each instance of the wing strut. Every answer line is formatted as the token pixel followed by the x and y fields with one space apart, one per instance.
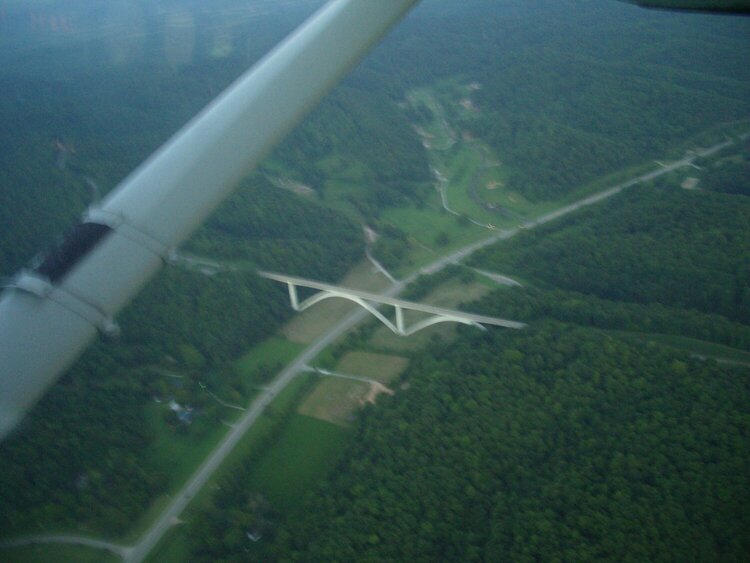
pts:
pixel 50 314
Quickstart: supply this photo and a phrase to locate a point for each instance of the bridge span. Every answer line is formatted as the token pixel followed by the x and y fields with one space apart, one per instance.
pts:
pixel 370 301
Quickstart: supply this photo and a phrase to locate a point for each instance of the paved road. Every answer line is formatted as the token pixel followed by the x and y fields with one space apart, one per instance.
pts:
pixel 120 550
pixel 328 373
pixel 170 515
pixel 378 266
pixel 498 278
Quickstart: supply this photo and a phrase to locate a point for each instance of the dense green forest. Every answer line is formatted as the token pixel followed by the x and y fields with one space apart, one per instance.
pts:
pixel 655 244
pixel 550 444
pixel 565 97
pixel 562 442
pixel 571 91
pixel 729 172
pixel 577 439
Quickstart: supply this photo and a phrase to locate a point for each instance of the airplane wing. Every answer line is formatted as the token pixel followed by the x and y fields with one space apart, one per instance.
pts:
pixel 718 6
pixel 50 313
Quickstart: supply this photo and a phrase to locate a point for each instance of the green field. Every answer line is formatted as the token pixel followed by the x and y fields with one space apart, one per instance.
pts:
pixel 334 400
pixel 424 227
pixel 380 367
pixel 300 455
pixel 174 547
pixel 466 161
pixel 304 452
pixel 437 135
pixel 177 456
pixel 272 352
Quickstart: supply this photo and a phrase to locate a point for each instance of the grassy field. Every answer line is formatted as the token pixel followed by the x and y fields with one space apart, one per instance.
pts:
pixel 469 164
pixel 454 292
pixel 437 135
pixel 174 547
pixel 380 367
pixel 56 554
pixel 424 227
pixel 432 231
pixel 335 400
pixel 465 160
pixel 384 339
pixel 304 452
pixel 177 456
pixel 271 352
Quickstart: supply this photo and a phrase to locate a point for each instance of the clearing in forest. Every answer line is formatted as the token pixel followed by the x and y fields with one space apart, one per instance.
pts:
pixel 380 367
pixel 335 400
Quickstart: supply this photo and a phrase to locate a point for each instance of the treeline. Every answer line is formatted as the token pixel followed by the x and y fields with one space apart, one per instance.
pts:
pixel 533 304
pixel 274 230
pixel 562 121
pixel 652 244
pixel 730 175
pixel 552 443
pixel 76 461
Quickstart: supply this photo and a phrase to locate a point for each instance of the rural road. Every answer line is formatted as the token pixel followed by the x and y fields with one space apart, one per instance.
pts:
pixel 204 472
pixel 149 540
pixel 121 550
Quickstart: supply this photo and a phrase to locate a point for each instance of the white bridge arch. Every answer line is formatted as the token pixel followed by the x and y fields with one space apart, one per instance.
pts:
pixel 369 302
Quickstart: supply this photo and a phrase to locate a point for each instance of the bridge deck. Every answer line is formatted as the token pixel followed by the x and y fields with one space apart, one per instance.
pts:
pixel 375 298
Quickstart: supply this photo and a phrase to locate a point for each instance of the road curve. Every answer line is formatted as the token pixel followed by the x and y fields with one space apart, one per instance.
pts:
pixel 116 549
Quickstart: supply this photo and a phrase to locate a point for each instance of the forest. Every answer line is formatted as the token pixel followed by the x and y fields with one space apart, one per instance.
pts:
pixel 551 444
pixel 656 244
pixel 566 94
pixel 577 439
pixel 568 441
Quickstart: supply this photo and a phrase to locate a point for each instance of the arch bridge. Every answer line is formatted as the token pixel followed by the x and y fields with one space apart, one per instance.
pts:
pixel 370 302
